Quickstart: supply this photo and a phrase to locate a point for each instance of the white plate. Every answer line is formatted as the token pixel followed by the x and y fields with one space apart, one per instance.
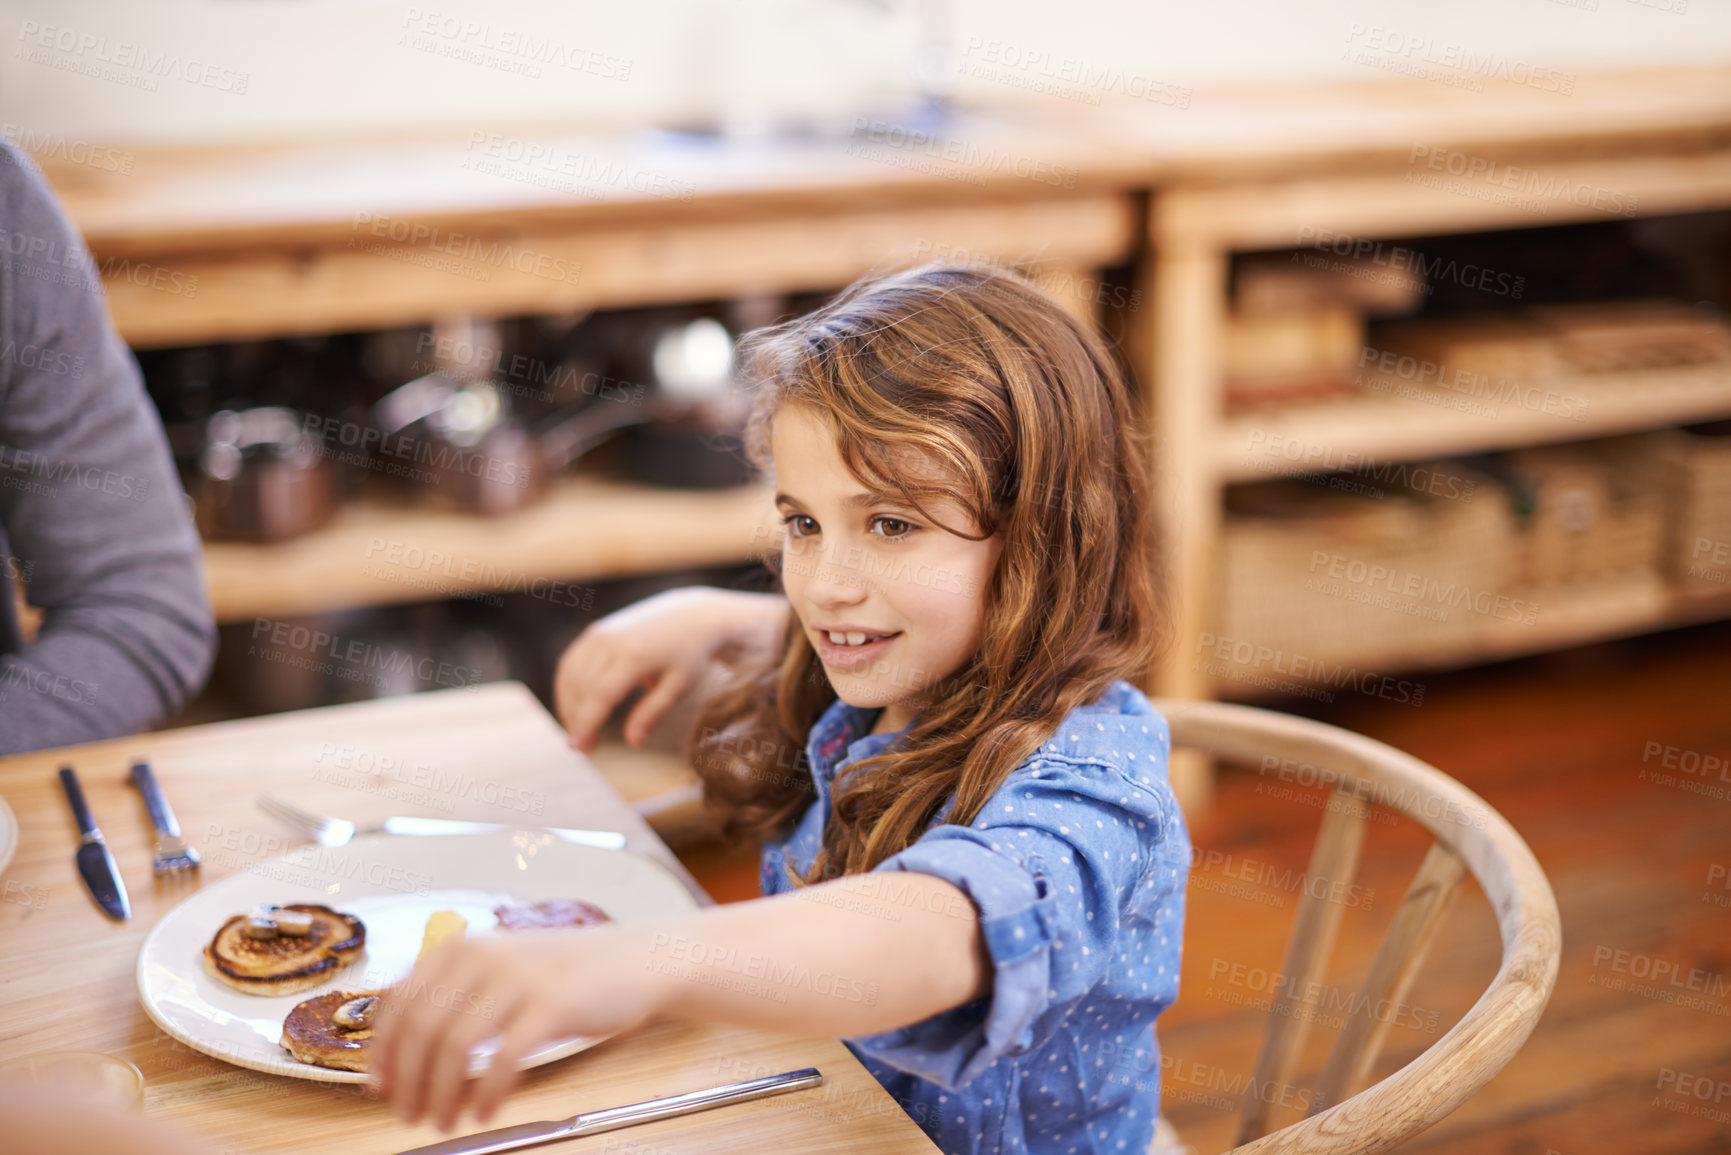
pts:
pixel 8 834
pixel 391 883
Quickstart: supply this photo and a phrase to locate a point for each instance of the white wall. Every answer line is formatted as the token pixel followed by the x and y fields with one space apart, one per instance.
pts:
pixel 134 71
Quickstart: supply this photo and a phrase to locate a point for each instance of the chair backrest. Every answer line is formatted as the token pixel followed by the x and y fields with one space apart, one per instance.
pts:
pixel 1469 836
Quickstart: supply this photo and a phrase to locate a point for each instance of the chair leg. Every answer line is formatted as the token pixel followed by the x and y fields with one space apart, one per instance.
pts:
pixel 1334 859
pixel 1415 924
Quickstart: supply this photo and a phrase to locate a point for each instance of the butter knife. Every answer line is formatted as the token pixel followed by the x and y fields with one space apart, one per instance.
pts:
pixel 95 864
pixel 594 1122
pixel 605 839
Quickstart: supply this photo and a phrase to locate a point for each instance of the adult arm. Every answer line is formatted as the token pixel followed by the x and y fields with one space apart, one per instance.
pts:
pixel 90 505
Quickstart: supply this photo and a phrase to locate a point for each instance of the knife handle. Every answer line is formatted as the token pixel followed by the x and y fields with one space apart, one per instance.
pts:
pixel 496 1140
pixel 613 1118
pixel 160 815
pixel 80 808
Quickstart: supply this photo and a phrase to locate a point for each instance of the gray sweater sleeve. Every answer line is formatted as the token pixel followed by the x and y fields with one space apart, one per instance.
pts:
pixel 91 511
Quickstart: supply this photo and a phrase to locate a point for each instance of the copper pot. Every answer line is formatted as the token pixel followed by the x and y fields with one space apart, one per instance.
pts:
pixel 261 477
pixel 475 454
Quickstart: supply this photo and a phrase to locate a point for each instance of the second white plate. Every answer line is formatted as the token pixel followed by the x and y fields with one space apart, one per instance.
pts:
pixel 392 884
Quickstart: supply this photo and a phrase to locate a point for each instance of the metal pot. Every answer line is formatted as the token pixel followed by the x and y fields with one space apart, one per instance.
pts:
pixel 476 454
pixel 697 442
pixel 454 429
pixel 261 477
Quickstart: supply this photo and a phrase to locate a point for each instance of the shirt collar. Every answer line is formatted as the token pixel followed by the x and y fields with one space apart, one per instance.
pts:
pixel 843 736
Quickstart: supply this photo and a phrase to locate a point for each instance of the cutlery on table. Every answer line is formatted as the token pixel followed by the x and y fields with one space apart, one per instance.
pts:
pixel 172 852
pixel 594 1122
pixel 337 831
pixel 95 864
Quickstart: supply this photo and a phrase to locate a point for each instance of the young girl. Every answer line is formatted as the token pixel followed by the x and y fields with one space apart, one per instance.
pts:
pixel 973 863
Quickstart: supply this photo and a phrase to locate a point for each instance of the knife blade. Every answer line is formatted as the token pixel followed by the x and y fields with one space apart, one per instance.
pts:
pixel 96 866
pixel 594 1122
pixel 605 839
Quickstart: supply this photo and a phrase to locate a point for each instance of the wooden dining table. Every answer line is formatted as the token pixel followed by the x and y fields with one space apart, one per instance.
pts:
pixel 486 753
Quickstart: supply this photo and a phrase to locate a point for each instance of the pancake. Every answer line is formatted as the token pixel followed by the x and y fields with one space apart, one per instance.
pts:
pixel 285 965
pixel 549 914
pixel 312 1034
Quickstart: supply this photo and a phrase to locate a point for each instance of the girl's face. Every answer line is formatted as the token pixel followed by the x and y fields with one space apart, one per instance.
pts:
pixel 861 564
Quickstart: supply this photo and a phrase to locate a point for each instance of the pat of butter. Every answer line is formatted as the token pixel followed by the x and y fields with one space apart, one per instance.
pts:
pixel 442 925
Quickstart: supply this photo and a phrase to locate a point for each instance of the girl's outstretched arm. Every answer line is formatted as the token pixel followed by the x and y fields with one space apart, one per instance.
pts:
pixel 854 956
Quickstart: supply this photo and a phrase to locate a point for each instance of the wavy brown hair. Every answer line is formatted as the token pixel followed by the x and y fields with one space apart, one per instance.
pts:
pixel 1026 412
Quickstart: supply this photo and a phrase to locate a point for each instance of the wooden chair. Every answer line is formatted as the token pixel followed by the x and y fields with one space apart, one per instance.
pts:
pixel 1469 836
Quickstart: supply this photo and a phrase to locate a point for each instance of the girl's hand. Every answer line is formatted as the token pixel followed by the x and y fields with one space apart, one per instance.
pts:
pixel 662 643
pixel 531 987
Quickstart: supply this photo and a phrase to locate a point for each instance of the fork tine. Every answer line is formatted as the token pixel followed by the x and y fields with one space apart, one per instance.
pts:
pixel 311 824
pixel 270 806
pixel 287 810
pixel 175 860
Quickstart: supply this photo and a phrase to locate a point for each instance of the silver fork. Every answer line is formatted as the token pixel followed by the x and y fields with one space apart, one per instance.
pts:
pixel 322 830
pixel 336 831
pixel 173 854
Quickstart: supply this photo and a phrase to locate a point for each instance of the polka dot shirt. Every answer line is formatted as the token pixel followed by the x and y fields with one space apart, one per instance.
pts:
pixel 1077 867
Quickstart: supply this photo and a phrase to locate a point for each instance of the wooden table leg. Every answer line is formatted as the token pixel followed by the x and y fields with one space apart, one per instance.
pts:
pixel 1178 344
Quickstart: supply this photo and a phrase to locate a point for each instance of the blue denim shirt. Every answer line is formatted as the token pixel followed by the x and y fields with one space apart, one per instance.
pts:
pixel 1077 866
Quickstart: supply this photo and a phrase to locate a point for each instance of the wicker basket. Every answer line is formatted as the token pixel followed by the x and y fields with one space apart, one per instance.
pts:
pixel 1545 342
pixel 1696 470
pixel 1588 513
pixel 1369 576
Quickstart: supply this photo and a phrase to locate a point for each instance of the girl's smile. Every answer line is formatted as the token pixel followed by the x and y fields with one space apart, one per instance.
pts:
pixel 852 655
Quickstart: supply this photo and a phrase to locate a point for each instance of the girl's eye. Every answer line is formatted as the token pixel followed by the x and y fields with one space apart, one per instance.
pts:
pixel 892 527
pixel 887 522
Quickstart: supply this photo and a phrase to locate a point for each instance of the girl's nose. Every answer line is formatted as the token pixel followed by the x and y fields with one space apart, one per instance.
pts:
pixel 831 581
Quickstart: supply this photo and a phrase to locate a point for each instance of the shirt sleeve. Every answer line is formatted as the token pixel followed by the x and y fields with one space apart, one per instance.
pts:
pixel 90 505
pixel 1065 852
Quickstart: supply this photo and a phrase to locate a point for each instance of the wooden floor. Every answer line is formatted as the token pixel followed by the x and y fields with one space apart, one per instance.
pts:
pixel 1573 749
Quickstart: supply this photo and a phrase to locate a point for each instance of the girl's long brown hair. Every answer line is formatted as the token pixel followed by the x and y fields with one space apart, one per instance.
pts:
pixel 986 376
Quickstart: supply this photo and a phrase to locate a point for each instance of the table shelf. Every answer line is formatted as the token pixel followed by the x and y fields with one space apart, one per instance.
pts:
pixel 1390 424
pixel 586 530
pixel 1565 618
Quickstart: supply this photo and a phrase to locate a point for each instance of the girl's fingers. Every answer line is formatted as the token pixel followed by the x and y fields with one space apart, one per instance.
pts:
pixel 522 1032
pixel 385 1029
pixel 655 703
pixel 414 1036
pixel 394 1011
pixel 422 1027
pixel 573 679
pixel 588 697
pixel 448 1073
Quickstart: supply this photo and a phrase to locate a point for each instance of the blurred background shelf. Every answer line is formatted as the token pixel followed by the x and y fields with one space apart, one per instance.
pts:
pixel 1419 183
pixel 1139 213
pixel 252 242
pixel 586 530
pixel 1564 619
pixel 1383 426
